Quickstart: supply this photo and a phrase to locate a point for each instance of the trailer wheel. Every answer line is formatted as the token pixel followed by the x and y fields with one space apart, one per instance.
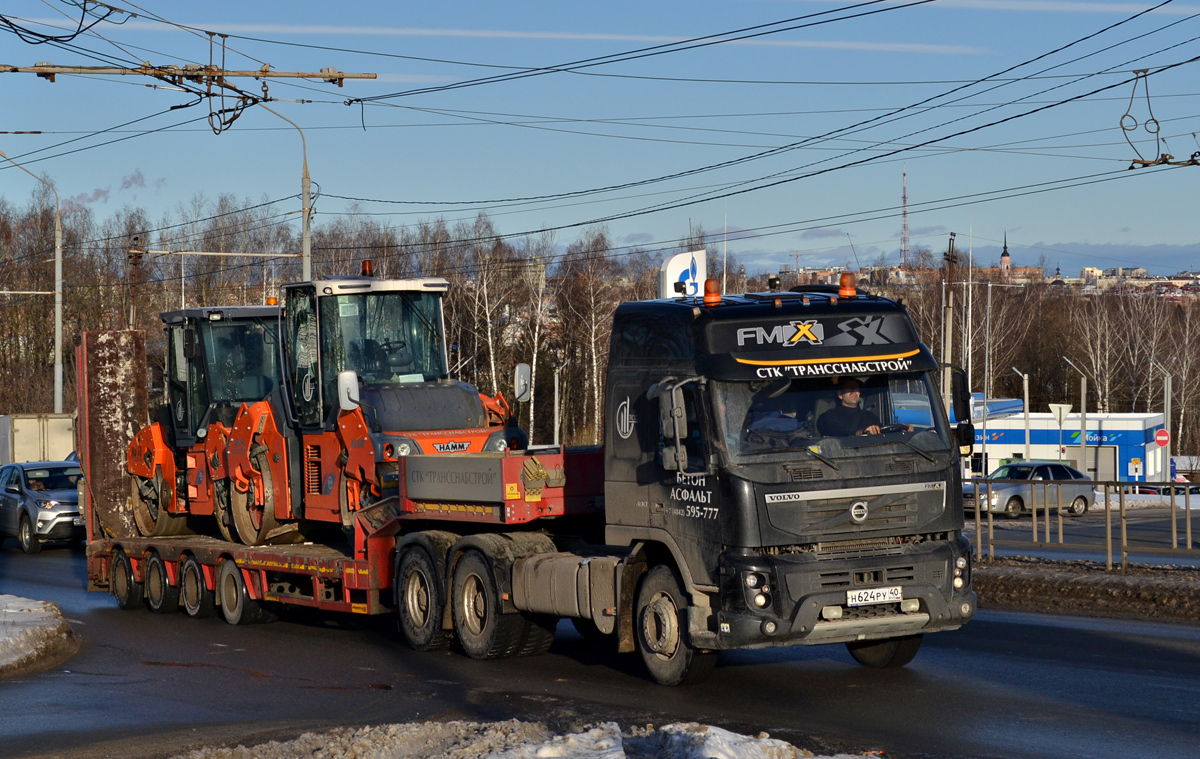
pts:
pixel 149 512
pixel 419 601
pixel 885 654
pixel 161 596
pixel 121 582
pixel 662 631
pixel 253 521
pixel 237 606
pixel 198 600
pixel 482 630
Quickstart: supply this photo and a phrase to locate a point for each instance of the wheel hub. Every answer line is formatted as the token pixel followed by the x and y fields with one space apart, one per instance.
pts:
pixel 660 626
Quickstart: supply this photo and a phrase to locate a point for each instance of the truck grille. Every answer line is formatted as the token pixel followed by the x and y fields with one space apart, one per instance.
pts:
pixel 798 474
pixel 851 549
pixel 901 467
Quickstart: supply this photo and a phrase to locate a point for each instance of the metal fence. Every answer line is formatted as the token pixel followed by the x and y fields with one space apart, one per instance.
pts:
pixel 1111 495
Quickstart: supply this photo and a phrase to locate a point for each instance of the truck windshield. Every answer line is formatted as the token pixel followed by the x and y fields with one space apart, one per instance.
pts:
pixel 387 338
pixel 838 415
pixel 243 359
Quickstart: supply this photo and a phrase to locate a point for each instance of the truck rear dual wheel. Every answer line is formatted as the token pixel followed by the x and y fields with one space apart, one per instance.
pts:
pixel 484 632
pixel 420 603
pixel 237 606
pixel 198 600
pixel 661 633
pixel 885 654
pixel 161 596
pixel 122 583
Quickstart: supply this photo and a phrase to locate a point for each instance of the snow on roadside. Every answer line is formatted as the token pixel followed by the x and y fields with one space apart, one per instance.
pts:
pixel 515 739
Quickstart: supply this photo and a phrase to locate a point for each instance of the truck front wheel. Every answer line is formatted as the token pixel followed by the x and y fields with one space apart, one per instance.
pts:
pixel 662 631
pixel 885 654
pixel 419 602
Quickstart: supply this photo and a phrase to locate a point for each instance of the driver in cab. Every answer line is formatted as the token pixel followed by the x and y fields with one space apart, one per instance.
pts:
pixel 846 418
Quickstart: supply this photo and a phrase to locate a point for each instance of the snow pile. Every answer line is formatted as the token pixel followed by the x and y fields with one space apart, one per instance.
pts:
pixel 33 636
pixel 514 739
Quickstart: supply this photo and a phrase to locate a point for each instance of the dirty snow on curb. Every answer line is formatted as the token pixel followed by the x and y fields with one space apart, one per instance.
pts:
pixel 26 627
pixel 515 739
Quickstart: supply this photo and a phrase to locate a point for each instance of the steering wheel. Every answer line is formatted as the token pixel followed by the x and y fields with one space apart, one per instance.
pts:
pixel 391 346
pixel 888 429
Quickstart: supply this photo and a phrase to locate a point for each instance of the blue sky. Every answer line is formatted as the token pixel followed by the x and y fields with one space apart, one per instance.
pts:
pixel 718 118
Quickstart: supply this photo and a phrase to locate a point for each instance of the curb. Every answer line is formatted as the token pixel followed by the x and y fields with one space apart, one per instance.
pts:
pixel 34 637
pixel 1166 594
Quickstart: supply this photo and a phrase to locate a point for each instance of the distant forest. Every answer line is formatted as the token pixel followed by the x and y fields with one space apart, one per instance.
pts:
pixel 541 300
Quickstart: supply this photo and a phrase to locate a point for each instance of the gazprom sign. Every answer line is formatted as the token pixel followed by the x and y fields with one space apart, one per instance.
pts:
pixel 689 268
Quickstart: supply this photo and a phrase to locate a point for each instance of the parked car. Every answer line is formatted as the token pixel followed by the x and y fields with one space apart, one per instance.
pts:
pixel 1019 488
pixel 39 502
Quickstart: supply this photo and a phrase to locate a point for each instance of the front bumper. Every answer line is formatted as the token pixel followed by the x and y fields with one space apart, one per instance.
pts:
pixel 804 586
pixel 60 526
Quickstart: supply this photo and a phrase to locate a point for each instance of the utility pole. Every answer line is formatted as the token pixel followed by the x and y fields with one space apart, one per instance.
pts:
pixel 58 286
pixel 202 80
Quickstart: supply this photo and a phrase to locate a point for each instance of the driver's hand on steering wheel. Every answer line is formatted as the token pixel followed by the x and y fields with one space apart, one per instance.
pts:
pixel 872 430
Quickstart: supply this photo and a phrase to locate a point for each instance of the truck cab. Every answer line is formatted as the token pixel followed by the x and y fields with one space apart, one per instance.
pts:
pixel 788 454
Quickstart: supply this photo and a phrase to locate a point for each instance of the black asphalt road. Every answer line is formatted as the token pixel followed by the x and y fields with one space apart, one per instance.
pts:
pixel 1006 685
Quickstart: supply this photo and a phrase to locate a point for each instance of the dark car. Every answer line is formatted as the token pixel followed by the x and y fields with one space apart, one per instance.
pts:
pixel 39 501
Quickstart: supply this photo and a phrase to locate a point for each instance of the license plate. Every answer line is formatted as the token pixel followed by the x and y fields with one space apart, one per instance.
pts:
pixel 869 596
pixel 77 521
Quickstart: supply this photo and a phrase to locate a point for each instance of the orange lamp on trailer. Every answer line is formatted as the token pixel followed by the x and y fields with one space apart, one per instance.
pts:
pixel 368 267
pixel 712 292
pixel 846 287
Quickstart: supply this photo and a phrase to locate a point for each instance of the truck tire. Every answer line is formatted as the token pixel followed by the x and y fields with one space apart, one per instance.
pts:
pixel 121 582
pixel 237 606
pixel 661 631
pixel 161 596
pixel 420 605
pixel 483 632
pixel 885 654
pixel 29 542
pixel 198 600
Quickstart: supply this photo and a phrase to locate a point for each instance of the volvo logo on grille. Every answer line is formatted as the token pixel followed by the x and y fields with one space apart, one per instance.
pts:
pixel 858 512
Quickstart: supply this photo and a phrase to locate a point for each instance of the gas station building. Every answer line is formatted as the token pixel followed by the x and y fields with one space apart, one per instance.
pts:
pixel 1119 446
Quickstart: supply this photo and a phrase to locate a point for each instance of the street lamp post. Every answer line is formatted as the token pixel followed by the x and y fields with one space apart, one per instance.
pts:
pixel 58 286
pixel 1025 395
pixel 1083 421
pixel 1167 418
pixel 306 208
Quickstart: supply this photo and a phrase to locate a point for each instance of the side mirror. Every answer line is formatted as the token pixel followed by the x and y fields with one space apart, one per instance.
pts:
pixel 14 488
pixel 522 387
pixel 347 390
pixel 960 395
pixel 964 435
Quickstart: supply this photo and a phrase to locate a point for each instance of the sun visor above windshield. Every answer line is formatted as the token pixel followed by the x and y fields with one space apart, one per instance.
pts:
pixel 815 347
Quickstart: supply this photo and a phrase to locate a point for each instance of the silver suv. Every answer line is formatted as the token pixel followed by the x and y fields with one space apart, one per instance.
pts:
pixel 1017 487
pixel 39 501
